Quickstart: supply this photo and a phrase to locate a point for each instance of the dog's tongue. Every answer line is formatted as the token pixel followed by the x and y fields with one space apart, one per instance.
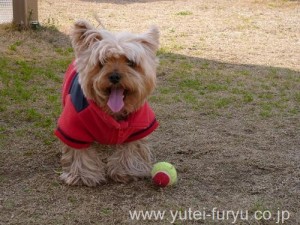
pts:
pixel 115 101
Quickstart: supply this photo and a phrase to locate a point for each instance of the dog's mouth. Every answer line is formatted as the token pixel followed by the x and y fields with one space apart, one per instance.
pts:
pixel 116 97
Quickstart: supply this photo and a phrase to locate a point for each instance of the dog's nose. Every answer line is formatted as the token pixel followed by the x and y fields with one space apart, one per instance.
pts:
pixel 115 78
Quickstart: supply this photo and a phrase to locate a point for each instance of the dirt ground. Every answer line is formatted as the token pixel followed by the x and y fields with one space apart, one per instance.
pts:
pixel 228 103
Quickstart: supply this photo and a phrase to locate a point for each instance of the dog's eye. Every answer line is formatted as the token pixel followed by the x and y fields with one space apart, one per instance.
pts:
pixel 131 63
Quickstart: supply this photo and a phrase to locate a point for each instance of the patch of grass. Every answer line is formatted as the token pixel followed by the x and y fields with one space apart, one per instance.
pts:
pixel 3 178
pixel 258 206
pixel 172 30
pixel 30 92
pixel 27 190
pixel 32 115
pixel 266 95
pixel 2 129
pixel 55 184
pixel 52 98
pixel 72 199
pixel 45 122
pixel 297 96
pixel 294 111
pixel 265 114
pixel 3 108
pixel 20 93
pixel 9 204
pixel 64 51
pixel 246 23
pixel 52 75
pixel 50 24
pixel 49 139
pixel 162 51
pixel 13 47
pixel 106 211
pixel 266 110
pixel 175 47
pixel 190 98
pixel 187 66
pixel 205 65
pixel 244 72
pixel 25 70
pixel 61 64
pixel 216 87
pixel 184 13
pixel 248 97
pixel 223 102
pixel 190 84
pixel 29 152
pixel 165 90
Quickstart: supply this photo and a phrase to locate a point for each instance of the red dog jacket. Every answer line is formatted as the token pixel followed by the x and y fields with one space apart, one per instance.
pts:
pixel 83 122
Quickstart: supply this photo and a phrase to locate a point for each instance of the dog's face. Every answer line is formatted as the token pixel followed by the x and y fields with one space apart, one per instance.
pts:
pixel 117 71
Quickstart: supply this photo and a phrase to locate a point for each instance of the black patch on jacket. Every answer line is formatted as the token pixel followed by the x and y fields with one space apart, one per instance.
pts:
pixel 78 99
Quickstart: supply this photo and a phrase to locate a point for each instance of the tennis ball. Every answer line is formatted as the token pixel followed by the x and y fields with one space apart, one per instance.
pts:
pixel 163 174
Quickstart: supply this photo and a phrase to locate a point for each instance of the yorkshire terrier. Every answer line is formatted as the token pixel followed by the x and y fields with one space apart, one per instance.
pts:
pixel 104 99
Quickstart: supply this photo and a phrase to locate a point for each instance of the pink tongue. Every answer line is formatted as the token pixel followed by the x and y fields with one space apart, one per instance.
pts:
pixel 115 101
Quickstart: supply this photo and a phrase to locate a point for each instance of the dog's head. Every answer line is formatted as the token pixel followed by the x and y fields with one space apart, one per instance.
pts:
pixel 116 70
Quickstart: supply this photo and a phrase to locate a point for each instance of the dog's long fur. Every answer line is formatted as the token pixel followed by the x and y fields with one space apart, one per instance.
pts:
pixel 99 53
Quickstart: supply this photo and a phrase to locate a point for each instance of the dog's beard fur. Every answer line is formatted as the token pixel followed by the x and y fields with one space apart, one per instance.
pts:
pixel 99 54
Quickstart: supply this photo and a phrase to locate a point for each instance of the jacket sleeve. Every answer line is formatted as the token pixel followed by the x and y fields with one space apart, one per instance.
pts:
pixel 70 129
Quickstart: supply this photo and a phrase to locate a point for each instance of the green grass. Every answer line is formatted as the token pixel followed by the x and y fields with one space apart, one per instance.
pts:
pixel 106 211
pixel 297 96
pixel 248 97
pixel 211 87
pixel 223 102
pixel 259 205
pixel 190 98
pixel 64 51
pixel 13 47
pixel 190 84
pixel 184 13
pixel 30 91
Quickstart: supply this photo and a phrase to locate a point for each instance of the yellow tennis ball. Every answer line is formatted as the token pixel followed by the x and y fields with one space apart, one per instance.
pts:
pixel 164 174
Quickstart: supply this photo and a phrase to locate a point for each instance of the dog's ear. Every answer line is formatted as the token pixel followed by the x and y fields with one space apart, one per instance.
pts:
pixel 151 38
pixel 83 35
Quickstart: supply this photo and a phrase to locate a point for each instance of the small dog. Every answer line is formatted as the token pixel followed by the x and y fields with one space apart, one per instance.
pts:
pixel 104 97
